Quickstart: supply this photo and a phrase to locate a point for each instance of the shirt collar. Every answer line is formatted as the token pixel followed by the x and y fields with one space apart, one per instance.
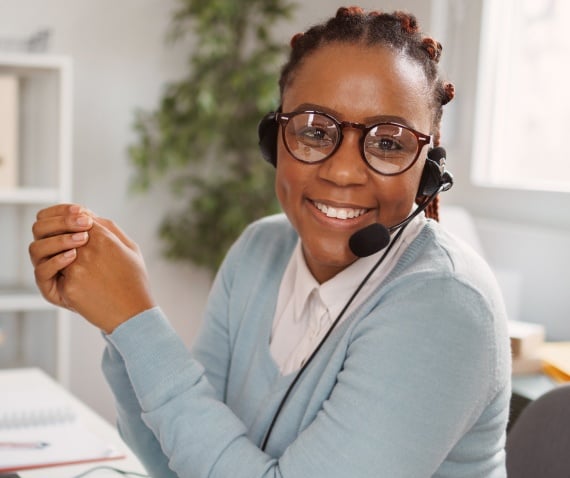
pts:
pixel 336 291
pixel 304 283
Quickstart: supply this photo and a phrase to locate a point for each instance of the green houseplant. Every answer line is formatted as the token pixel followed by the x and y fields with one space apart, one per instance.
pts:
pixel 203 134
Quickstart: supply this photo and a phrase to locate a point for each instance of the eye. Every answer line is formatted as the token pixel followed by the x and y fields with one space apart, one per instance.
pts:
pixel 387 143
pixel 315 136
pixel 385 147
pixel 390 142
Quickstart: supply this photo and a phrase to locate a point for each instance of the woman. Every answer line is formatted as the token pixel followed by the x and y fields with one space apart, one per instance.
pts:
pixel 304 369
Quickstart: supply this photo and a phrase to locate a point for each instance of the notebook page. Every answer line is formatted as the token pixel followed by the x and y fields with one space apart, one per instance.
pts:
pixel 38 430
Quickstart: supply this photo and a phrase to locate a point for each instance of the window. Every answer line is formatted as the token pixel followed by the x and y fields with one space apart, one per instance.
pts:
pixel 522 133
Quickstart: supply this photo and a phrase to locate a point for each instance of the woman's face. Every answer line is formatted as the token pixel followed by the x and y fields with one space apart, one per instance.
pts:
pixel 358 84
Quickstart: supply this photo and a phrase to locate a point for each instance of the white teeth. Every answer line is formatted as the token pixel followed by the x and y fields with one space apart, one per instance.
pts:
pixel 339 212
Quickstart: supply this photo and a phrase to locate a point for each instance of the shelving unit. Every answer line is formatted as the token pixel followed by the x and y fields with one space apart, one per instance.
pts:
pixel 34 333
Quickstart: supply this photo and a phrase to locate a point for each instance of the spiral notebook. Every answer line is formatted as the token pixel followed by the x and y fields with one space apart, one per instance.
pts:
pixel 40 431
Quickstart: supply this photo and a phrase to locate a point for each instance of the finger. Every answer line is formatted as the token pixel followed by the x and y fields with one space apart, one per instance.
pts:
pixel 53 225
pixel 52 289
pixel 44 249
pixel 59 292
pixel 59 210
pixel 46 272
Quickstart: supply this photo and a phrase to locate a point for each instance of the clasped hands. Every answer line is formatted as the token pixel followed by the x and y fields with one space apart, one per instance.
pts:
pixel 85 263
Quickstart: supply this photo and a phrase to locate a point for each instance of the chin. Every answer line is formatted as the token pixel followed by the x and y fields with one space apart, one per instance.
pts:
pixel 327 260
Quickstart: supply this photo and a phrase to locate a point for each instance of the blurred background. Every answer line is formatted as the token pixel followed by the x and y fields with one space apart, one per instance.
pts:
pixel 503 133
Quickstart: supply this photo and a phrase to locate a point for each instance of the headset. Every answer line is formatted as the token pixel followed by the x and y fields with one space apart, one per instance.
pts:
pixel 435 178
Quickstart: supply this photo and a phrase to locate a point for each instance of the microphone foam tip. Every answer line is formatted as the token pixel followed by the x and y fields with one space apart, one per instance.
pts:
pixel 369 240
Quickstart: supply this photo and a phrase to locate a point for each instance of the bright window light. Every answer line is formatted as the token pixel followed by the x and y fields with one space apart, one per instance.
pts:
pixel 522 133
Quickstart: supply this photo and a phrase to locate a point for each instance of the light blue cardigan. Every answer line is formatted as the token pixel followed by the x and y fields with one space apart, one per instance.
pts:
pixel 415 383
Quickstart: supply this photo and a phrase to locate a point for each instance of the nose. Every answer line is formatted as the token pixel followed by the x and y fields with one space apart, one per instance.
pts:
pixel 346 166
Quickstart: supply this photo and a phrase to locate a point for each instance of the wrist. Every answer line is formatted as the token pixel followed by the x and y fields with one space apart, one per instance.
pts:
pixel 108 325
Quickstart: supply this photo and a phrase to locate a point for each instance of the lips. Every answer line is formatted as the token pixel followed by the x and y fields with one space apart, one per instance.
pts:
pixel 339 212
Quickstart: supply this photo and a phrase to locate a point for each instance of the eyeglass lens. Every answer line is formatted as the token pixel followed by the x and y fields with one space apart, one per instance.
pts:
pixel 388 148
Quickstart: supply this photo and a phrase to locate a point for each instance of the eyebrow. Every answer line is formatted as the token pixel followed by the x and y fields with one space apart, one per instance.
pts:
pixel 368 120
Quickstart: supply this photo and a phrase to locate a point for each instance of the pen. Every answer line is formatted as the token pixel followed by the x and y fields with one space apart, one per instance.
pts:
pixel 23 444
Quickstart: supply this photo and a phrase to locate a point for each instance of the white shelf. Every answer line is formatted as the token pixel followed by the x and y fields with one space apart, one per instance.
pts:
pixel 44 178
pixel 30 63
pixel 29 196
pixel 22 300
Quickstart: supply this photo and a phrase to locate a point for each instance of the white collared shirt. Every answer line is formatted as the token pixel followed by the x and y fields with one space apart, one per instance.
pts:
pixel 306 309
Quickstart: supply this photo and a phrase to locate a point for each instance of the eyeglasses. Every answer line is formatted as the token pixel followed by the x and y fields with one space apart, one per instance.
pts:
pixel 388 148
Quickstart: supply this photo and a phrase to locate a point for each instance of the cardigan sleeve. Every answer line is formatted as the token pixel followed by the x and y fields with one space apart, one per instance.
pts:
pixel 402 401
pixel 211 350
pixel 132 429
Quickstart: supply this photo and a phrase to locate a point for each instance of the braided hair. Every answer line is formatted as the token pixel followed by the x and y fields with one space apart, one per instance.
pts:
pixel 399 31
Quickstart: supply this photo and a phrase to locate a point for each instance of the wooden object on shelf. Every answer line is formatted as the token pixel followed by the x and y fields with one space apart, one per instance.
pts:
pixel 9 114
pixel 526 365
pixel 526 340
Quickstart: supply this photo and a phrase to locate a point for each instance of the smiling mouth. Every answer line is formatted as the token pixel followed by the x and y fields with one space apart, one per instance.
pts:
pixel 339 212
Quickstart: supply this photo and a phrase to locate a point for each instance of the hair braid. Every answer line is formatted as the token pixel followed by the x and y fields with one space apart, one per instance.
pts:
pixel 398 30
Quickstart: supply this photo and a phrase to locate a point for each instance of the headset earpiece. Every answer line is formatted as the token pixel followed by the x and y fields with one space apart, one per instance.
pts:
pixel 267 132
pixel 434 176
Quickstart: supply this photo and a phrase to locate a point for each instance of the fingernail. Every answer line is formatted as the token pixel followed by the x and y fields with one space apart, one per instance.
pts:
pixel 79 236
pixel 75 209
pixel 70 253
pixel 83 221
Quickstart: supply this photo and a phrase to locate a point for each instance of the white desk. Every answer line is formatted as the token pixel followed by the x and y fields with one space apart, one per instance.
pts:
pixel 43 383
